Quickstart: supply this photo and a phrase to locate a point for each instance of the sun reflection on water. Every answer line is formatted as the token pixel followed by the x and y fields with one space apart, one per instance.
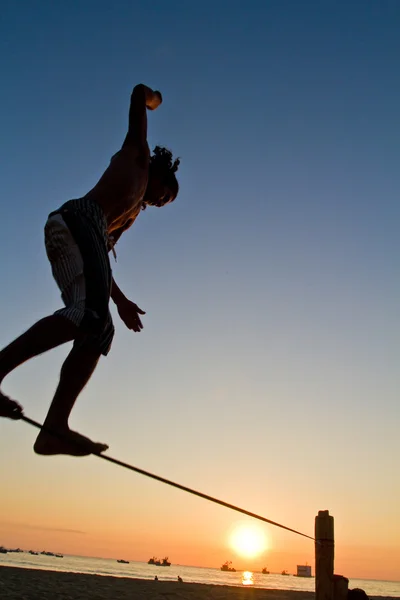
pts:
pixel 247 578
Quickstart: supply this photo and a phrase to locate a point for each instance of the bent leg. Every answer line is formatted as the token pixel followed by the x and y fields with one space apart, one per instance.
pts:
pixel 44 335
pixel 75 373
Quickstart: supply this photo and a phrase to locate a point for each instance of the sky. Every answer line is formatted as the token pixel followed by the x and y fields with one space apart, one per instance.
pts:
pixel 267 370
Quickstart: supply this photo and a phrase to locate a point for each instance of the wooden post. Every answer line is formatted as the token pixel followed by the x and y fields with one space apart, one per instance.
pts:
pixel 324 556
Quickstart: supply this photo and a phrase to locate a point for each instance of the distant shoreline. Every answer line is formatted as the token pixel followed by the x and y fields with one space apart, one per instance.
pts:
pixel 35 584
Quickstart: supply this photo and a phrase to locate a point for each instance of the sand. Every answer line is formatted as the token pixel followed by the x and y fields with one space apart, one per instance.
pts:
pixel 33 584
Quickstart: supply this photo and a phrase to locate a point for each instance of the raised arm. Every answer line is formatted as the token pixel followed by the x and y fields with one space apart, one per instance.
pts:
pixel 142 98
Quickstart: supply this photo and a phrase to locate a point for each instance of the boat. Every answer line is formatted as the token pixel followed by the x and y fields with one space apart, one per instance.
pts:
pixel 226 567
pixel 3 550
pixel 59 556
pixel 265 571
pixel 125 562
pixel 33 552
pixel 159 563
pixel 47 553
pixel 284 573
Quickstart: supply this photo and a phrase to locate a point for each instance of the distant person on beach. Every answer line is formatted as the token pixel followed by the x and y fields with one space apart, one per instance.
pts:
pixel 78 237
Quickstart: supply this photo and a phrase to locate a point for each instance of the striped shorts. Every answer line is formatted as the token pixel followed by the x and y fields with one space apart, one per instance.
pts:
pixel 76 241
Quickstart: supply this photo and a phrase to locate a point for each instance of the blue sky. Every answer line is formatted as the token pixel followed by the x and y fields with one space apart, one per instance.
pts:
pixel 271 285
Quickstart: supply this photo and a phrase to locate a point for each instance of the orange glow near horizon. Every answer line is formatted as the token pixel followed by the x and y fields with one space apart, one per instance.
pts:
pixel 109 515
pixel 369 562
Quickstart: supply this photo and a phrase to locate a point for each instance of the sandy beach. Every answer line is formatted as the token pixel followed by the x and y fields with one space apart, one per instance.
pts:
pixel 33 584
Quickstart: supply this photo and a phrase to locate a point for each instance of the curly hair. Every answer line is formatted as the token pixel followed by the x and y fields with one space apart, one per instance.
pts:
pixel 163 165
pixel 162 159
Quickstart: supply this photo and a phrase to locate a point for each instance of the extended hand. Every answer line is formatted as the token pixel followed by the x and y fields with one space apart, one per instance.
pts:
pixel 129 313
pixel 153 100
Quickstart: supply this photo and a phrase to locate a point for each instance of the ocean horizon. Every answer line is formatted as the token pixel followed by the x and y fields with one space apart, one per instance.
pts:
pixel 189 574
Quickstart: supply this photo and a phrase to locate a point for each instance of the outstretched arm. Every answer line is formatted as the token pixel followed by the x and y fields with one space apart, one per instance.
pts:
pixel 142 98
pixel 127 310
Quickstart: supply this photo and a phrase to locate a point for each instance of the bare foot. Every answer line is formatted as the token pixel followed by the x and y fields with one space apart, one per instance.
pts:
pixel 66 442
pixel 9 408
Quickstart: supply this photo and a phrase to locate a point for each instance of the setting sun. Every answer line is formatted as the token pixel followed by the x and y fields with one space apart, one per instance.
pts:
pixel 248 540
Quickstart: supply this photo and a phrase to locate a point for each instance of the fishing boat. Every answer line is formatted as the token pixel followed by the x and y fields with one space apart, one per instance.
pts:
pixel 159 563
pixel 125 562
pixel 265 571
pixel 226 567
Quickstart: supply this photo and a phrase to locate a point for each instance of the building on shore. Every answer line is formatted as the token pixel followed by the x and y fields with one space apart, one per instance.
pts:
pixel 304 571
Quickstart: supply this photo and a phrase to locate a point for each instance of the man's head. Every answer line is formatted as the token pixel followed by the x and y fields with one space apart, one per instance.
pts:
pixel 163 186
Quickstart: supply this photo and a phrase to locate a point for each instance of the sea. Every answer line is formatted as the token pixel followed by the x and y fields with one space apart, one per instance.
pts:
pixel 141 570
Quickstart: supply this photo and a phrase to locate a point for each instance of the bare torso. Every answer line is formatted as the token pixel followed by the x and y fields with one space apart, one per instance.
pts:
pixel 121 188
